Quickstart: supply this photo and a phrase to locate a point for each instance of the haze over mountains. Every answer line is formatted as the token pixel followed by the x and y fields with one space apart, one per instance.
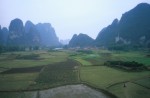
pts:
pixel 132 29
pixel 81 40
pixel 42 34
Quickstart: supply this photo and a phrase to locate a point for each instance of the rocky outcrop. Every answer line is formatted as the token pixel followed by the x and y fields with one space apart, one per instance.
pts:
pixel 107 35
pixel 32 34
pixel 16 32
pixel 3 35
pixel 81 40
pixel 132 29
pixel 47 34
pixel 42 34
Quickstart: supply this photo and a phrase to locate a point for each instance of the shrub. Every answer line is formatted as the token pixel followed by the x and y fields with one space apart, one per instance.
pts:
pixel 28 57
pixel 85 51
pixel 130 65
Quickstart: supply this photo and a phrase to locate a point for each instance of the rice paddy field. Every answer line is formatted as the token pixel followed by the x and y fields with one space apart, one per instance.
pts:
pixel 40 70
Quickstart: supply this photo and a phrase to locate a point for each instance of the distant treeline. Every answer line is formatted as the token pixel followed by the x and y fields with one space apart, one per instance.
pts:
pixel 85 51
pixel 124 47
pixel 128 65
pixel 16 48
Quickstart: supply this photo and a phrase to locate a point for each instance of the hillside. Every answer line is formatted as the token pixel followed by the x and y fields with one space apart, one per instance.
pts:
pixel 81 40
pixel 42 34
pixel 133 29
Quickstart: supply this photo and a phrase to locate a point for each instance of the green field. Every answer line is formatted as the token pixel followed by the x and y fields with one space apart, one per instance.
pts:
pixel 10 60
pixel 130 91
pixel 104 77
pixel 20 81
pixel 57 74
pixel 48 69
pixel 98 75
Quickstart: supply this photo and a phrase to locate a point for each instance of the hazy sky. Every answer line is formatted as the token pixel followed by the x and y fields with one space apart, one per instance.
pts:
pixel 67 16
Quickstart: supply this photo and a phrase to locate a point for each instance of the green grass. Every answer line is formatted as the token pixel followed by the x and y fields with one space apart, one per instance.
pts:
pixel 99 57
pixel 17 95
pixel 130 91
pixel 58 74
pixel 144 82
pixel 83 62
pixel 16 81
pixel 103 77
pixel 84 59
pixel 59 70
pixel 10 61
pixel 21 81
pixel 132 56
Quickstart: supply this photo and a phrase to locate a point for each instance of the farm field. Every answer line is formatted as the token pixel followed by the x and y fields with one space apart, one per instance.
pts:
pixel 109 78
pixel 98 57
pixel 21 81
pixel 39 70
pixel 57 74
pixel 96 74
pixel 30 59
pixel 55 69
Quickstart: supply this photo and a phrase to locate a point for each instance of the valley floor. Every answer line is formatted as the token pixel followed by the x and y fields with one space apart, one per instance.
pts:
pixel 38 70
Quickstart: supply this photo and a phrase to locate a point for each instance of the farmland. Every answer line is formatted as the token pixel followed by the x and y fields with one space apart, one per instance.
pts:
pixel 93 72
pixel 58 74
pixel 38 70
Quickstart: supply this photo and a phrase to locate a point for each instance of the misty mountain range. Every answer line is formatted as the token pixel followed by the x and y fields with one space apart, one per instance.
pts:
pixel 41 34
pixel 132 29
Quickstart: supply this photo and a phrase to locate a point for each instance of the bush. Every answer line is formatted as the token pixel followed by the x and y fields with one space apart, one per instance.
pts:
pixel 28 57
pixel 126 65
pixel 85 51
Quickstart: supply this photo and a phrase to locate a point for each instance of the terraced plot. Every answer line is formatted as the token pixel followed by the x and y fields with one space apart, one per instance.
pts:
pixel 57 74
pixel 23 70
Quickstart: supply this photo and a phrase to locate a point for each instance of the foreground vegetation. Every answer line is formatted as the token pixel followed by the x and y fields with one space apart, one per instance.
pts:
pixel 105 77
pixel 34 70
pixel 122 83
pixel 57 74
